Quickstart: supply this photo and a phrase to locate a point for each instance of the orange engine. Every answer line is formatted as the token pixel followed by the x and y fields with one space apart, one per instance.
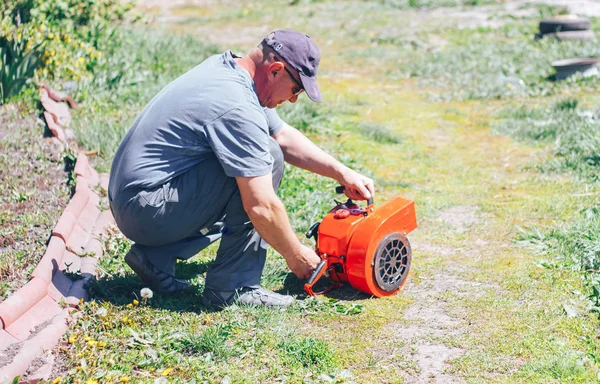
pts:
pixel 366 247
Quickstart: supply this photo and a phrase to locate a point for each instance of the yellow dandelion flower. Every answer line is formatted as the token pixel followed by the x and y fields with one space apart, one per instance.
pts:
pixel 135 302
pixel 91 381
pixel 246 11
pixel 90 49
pixel 51 36
pixel 57 380
pixel 87 338
pixel 166 372
pixel 129 305
pixel 81 60
pixel 102 344
pixel 124 379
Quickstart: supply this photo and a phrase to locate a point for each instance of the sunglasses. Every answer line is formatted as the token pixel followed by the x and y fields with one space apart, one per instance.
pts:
pixel 298 88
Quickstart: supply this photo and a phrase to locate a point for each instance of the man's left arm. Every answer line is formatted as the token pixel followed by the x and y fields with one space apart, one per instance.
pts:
pixel 299 151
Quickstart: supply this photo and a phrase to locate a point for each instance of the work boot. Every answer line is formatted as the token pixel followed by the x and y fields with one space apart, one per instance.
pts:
pixel 246 296
pixel 156 279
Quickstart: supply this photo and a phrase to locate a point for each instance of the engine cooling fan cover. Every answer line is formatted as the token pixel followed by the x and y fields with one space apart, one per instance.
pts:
pixel 391 262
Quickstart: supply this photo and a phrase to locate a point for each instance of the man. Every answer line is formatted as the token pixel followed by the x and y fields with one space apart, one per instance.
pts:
pixel 204 160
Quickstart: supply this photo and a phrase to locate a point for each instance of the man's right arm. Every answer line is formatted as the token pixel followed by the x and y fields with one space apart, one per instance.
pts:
pixel 268 215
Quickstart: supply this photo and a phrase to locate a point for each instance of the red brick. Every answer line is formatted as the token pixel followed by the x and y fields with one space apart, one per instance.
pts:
pixel 59 110
pixel 64 227
pixel 45 371
pixel 6 339
pixel 77 240
pixel 71 262
pixel 45 339
pixel 42 311
pixel 88 265
pixel 104 220
pixel 82 165
pixel 22 300
pixel 56 130
pixel 94 248
pixel 59 288
pixel 81 184
pixel 93 177
pixel 94 199
pixel 78 202
pixel 89 216
pixel 51 260
pixel 104 178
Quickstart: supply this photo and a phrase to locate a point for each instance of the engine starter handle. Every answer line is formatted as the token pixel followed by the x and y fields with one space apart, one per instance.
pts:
pixel 340 189
pixel 317 272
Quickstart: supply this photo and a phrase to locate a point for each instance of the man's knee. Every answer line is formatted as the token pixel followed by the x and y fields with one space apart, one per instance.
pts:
pixel 278 165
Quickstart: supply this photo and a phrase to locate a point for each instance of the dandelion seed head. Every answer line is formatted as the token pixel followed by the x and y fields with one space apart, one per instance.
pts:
pixel 146 293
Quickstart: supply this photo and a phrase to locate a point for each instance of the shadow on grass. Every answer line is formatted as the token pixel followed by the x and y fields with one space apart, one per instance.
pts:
pixel 121 290
pixel 295 286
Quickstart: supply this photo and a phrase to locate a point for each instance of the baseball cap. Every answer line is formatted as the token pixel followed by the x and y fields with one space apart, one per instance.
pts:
pixel 301 53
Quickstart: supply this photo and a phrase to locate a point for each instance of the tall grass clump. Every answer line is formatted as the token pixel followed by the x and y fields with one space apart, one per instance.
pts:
pixel 576 246
pixel 418 4
pixel 574 133
pixel 310 353
pixel 497 64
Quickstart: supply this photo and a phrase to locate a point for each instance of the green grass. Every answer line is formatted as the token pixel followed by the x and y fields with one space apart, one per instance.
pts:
pixel 140 66
pixel 498 64
pixel 573 132
pixel 439 151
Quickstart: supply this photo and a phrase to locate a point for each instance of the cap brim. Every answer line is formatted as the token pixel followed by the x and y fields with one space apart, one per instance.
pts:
pixel 311 88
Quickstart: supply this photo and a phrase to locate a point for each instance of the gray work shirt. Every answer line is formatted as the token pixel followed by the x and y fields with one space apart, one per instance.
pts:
pixel 212 110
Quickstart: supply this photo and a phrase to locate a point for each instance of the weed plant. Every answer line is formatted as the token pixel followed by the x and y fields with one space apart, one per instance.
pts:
pixel 574 133
pixel 497 64
pixel 417 4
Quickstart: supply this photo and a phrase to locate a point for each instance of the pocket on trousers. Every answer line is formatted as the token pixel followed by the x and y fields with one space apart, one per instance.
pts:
pixel 155 198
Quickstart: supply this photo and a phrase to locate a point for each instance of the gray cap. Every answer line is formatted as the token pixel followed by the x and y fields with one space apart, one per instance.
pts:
pixel 301 53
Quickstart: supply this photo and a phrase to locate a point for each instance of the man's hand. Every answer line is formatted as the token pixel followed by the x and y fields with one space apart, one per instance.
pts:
pixel 358 187
pixel 268 216
pixel 304 263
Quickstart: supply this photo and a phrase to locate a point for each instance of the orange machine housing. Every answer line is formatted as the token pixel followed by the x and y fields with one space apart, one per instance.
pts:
pixel 347 242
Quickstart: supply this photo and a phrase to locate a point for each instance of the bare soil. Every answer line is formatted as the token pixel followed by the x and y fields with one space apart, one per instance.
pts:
pixel 33 195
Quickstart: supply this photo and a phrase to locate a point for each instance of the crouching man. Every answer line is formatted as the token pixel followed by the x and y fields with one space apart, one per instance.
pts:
pixel 204 160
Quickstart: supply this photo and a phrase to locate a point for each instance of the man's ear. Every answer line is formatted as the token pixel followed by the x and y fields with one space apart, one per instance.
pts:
pixel 275 68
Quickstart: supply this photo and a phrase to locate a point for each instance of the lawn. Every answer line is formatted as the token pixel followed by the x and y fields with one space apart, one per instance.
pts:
pixel 454 108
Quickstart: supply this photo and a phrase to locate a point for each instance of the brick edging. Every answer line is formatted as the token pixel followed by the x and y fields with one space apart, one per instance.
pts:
pixel 34 317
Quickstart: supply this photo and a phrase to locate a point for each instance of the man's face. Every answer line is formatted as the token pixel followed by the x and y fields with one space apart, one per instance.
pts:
pixel 282 83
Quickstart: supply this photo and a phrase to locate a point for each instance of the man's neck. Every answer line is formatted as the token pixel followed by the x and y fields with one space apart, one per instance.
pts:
pixel 248 64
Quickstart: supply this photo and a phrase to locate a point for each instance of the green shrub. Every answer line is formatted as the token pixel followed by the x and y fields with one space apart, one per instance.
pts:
pixel 18 61
pixel 74 34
